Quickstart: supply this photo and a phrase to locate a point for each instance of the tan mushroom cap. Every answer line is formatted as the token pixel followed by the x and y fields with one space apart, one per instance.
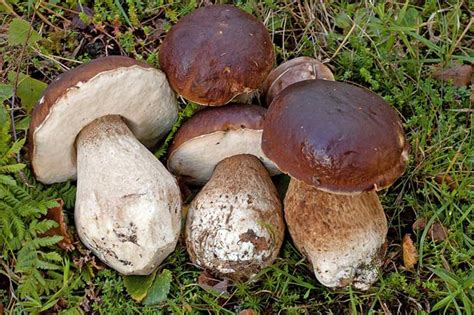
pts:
pixel 292 71
pixel 216 53
pixel 214 134
pixel 114 85
pixel 335 136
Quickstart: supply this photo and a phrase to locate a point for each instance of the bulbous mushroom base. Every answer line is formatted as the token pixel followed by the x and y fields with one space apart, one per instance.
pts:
pixel 235 224
pixel 128 206
pixel 343 236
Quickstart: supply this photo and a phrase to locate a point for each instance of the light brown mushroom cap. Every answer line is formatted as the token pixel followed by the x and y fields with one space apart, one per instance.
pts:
pixel 214 134
pixel 335 136
pixel 114 85
pixel 216 53
pixel 292 71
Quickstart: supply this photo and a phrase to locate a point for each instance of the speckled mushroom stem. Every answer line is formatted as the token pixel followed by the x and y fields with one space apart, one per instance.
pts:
pixel 343 236
pixel 235 224
pixel 128 206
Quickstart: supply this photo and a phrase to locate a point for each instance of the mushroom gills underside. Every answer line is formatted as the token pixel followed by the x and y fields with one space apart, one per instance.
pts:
pixel 128 206
pixel 197 158
pixel 343 236
pixel 149 109
pixel 235 224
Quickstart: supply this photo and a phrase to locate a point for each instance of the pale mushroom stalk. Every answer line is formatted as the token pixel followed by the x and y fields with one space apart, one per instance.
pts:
pixel 92 124
pixel 343 236
pixel 234 226
pixel 122 188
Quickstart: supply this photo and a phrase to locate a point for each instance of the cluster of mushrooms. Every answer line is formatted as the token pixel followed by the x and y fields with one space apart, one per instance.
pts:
pixel 339 144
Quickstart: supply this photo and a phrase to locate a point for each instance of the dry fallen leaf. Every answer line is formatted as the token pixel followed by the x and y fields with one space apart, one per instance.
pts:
pixel 56 214
pixel 207 281
pixel 438 232
pixel 419 224
pixel 410 254
pixel 440 179
pixel 459 74
pixel 1 309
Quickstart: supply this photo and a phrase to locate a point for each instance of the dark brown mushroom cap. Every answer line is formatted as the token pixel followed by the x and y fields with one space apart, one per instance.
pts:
pixel 335 136
pixel 214 134
pixel 104 86
pixel 216 53
pixel 292 71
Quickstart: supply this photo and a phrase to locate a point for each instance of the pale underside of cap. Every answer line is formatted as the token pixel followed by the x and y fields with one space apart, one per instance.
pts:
pixel 140 95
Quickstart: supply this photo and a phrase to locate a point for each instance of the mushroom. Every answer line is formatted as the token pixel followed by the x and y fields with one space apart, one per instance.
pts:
pixel 343 143
pixel 292 71
pixel 235 223
pixel 90 123
pixel 215 54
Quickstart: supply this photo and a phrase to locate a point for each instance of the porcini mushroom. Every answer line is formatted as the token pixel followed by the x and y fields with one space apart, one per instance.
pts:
pixel 343 143
pixel 235 224
pixel 91 122
pixel 215 54
pixel 292 71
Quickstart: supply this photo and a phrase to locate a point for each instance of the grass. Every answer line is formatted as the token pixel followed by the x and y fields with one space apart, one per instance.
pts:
pixel 392 48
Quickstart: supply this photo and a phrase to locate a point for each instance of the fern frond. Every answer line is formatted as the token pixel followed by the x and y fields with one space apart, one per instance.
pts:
pixel 21 192
pixel 39 227
pixel 44 265
pixel 18 225
pixel 43 274
pixel 52 256
pixel 16 147
pixel 7 180
pixel 11 168
pixel 26 259
pixel 46 241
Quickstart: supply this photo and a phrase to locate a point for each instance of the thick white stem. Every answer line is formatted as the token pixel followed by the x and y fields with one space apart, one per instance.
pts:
pixel 235 224
pixel 128 206
pixel 342 236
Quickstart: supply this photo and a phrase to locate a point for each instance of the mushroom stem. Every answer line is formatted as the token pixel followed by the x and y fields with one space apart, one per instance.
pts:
pixel 343 236
pixel 128 206
pixel 235 224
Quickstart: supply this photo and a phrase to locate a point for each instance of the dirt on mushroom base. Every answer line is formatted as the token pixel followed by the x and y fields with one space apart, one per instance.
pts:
pixel 235 224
